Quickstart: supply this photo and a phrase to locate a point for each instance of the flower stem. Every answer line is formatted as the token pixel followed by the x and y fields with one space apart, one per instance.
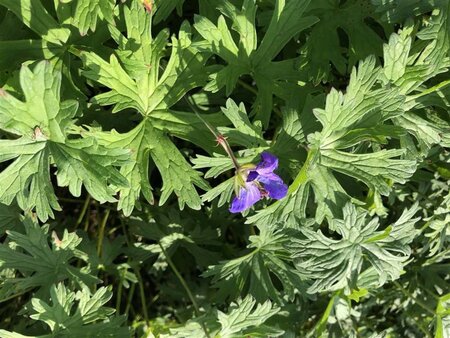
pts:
pixel 185 286
pixel 224 143
pixel 222 140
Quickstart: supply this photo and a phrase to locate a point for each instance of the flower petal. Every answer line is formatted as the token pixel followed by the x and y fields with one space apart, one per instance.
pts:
pixel 274 185
pixel 268 163
pixel 247 197
pixel 252 175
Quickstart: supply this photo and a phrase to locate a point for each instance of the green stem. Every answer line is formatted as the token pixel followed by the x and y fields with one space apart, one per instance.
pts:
pixel 101 233
pixel 425 226
pixel 219 137
pixel 142 293
pixel 21 293
pixel 130 297
pixel 83 211
pixel 417 301
pixel 248 87
pixel 181 279
pixel 122 275
pixel 119 291
pixel 75 51
pixel 436 298
pixel 185 286
pixel 422 328
pixel 140 282
pixel 222 140
pixel 429 90
pixel 69 200
pixel 321 325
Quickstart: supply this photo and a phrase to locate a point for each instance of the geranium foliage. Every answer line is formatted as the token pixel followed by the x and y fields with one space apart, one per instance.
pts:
pixel 228 168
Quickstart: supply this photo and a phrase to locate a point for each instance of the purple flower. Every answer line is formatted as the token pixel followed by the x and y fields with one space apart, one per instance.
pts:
pixel 254 183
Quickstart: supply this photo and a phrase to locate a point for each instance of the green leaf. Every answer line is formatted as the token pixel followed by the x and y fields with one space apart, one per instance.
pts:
pixel 251 273
pixel 165 7
pixel 75 314
pixel 335 264
pixel 9 217
pixel 362 106
pixel 174 230
pixel 373 168
pixel 138 84
pixel 81 162
pixel 33 14
pixel 218 164
pixel 224 191
pixel 356 116
pixel 339 21
pixel 41 108
pixel 242 320
pixel 349 120
pixel 439 225
pixel 298 122
pixel 442 316
pixel 44 123
pixel 396 54
pixel 396 11
pixel 38 265
pixel 87 12
pixel 426 133
pixel 329 194
pixel 245 57
pixel 287 211
pixel 292 209
pixel 27 179
pixel 14 53
pixel 429 55
pixel 135 82
pixel 177 175
pixel 187 126
pixel 424 59
pixel 244 132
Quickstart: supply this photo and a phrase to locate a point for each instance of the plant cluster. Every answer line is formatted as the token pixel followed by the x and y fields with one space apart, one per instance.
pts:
pixel 226 168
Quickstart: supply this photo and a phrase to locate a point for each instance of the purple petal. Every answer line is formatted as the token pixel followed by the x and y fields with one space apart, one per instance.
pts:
pixel 248 196
pixel 274 185
pixel 252 175
pixel 268 163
